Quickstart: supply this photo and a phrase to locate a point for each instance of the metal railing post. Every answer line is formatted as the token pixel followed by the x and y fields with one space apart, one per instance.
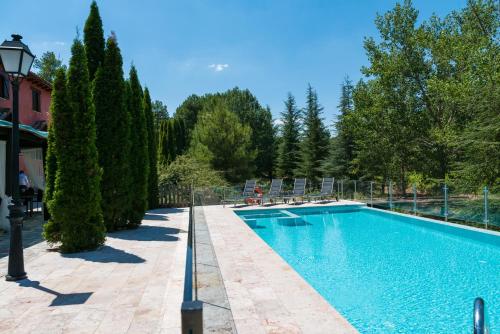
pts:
pixel 390 195
pixel 191 308
pixel 414 198
pixel 354 194
pixel 342 188
pixel 485 193
pixel 371 194
pixel 445 188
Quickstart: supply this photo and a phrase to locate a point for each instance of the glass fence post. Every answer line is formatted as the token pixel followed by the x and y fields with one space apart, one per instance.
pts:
pixel 485 192
pixel 414 198
pixel 445 188
pixel 390 195
pixel 371 194
pixel 354 195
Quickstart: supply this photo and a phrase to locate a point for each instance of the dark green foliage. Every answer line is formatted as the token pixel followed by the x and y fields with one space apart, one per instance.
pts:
pixel 139 157
pixel 47 65
pixel 222 141
pixel 60 119
pixel 93 38
pixel 113 144
pixel 316 139
pixel 289 150
pixel 430 104
pixel 342 152
pixel 160 113
pixel 152 153
pixel 246 106
pixel 75 206
pixel 172 140
pixel 188 111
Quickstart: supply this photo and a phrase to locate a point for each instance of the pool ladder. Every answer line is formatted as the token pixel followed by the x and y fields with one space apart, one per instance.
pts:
pixel 480 323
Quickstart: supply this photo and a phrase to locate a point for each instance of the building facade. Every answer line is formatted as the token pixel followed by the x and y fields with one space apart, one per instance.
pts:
pixel 34 104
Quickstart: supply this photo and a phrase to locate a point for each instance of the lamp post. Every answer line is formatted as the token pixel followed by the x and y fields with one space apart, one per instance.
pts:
pixel 17 60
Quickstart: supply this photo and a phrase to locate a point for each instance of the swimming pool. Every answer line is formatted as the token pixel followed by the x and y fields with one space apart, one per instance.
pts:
pixel 387 272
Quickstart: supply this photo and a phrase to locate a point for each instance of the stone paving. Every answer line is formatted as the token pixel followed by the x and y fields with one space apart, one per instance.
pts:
pixel 133 284
pixel 266 295
pixel 32 234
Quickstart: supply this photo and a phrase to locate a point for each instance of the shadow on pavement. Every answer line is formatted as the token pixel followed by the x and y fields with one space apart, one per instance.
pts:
pixel 106 254
pixel 148 233
pixel 61 299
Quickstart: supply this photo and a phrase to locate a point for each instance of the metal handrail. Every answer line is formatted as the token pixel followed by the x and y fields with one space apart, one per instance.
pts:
pixel 479 318
pixel 191 308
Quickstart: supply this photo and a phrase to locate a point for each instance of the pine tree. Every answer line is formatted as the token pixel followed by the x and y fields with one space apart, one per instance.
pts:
pixel 152 140
pixel 139 160
pixel 316 139
pixel 289 150
pixel 76 204
pixel 341 153
pixel 60 120
pixel 93 37
pixel 113 145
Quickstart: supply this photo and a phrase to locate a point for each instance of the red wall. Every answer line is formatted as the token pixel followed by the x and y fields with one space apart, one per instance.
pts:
pixel 26 114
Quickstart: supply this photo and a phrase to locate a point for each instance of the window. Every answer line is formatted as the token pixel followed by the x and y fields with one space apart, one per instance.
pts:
pixel 36 100
pixel 4 87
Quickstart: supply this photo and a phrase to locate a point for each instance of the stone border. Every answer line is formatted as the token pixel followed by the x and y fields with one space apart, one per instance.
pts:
pixel 266 295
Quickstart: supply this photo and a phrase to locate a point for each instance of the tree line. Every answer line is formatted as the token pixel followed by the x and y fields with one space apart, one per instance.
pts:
pixel 101 170
pixel 427 109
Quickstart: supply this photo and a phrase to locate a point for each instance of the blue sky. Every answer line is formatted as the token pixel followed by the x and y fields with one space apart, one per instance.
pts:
pixel 193 46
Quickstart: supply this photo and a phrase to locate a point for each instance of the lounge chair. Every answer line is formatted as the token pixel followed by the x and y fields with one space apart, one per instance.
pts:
pixel 248 192
pixel 299 191
pixel 275 190
pixel 326 189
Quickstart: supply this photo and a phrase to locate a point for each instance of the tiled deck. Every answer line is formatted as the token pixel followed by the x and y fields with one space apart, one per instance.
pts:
pixel 266 295
pixel 133 284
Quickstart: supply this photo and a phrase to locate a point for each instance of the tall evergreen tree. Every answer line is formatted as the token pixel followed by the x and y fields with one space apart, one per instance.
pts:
pixel 139 159
pixel 289 150
pixel 341 153
pixel 76 204
pixel 113 144
pixel 152 153
pixel 316 139
pixel 59 130
pixel 93 38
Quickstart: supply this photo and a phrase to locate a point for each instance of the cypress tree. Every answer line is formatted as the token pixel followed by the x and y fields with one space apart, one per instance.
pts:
pixel 171 144
pixel 60 121
pixel 179 137
pixel 289 150
pixel 316 139
pixel 93 37
pixel 139 160
pixel 153 170
pixel 162 160
pixel 113 142
pixel 76 200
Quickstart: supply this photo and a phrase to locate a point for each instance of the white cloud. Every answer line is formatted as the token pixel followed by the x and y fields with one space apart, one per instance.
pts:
pixel 278 122
pixel 218 67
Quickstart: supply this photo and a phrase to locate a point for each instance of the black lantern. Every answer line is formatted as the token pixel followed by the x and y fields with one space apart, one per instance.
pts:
pixel 16 57
pixel 17 60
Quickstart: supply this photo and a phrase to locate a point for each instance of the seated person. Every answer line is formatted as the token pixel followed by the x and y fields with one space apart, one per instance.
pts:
pixel 24 182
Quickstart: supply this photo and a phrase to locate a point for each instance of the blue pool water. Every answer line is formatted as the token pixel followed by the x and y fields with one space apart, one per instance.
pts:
pixel 384 272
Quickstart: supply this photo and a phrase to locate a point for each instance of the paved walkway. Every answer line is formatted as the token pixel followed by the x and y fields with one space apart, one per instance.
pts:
pixel 133 284
pixel 266 295
pixel 32 234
